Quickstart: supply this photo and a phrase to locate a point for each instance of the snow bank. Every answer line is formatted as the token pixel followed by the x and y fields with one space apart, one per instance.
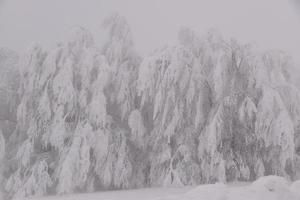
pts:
pixel 265 188
pixel 295 187
pixel 135 194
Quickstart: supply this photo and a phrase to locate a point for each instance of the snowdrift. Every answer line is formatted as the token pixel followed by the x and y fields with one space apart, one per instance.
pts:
pixel 265 188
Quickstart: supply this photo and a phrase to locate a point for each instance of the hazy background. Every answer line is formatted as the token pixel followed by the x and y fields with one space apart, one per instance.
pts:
pixel 271 24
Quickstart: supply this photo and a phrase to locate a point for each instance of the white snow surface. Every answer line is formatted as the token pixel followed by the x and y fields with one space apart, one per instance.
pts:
pixel 265 188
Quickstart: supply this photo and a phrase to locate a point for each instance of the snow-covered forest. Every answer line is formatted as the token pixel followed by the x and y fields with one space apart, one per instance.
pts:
pixel 90 116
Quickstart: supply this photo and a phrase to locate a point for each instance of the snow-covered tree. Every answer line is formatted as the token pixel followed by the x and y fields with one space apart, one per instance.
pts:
pixel 73 100
pixel 123 60
pixel 95 116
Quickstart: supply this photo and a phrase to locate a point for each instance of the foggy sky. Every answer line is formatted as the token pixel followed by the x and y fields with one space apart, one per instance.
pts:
pixel 271 24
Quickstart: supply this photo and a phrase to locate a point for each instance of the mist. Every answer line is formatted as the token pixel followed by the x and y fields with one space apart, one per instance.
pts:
pixel 271 24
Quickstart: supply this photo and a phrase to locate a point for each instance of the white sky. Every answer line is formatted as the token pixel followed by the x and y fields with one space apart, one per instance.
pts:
pixel 271 24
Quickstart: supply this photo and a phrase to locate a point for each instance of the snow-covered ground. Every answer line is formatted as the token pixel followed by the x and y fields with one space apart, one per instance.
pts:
pixel 138 194
pixel 265 188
